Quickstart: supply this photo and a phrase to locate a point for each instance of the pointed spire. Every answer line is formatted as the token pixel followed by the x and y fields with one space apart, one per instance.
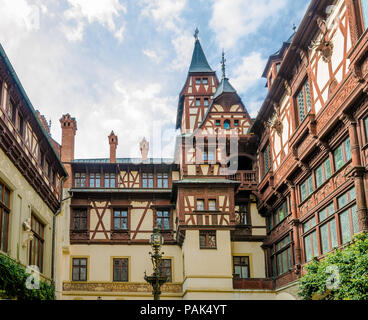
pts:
pixel 224 85
pixel 199 61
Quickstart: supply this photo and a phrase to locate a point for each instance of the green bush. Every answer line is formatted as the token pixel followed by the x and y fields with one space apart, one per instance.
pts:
pixel 13 277
pixel 352 280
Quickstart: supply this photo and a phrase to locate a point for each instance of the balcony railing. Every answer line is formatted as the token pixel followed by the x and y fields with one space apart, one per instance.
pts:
pixel 247 178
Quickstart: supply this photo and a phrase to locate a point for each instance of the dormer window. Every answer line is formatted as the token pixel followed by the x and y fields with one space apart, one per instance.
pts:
pixel 270 80
pixel 278 67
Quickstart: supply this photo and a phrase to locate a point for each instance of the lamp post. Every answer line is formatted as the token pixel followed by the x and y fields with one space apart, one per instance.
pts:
pixel 156 280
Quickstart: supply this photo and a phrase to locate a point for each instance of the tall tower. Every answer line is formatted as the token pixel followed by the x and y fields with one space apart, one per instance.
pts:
pixel 196 95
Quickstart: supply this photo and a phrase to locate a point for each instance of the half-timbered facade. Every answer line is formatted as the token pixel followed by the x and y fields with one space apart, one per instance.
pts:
pixel 30 177
pixel 243 205
pixel 312 140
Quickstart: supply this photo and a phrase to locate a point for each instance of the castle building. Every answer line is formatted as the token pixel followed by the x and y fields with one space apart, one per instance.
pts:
pixel 244 204
pixel 31 175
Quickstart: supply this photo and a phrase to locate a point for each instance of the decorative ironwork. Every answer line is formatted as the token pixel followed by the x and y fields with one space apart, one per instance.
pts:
pixel 156 280
pixel 223 60
pixel 196 32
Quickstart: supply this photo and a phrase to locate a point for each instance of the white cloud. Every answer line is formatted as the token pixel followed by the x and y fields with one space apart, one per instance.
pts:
pixel 166 13
pixel 253 108
pixel 183 46
pixel 119 34
pixel 249 72
pixel 232 20
pixel 18 19
pixel 152 54
pixel 132 111
pixel 103 12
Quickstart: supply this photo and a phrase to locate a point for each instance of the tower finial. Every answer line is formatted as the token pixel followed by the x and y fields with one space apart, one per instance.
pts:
pixel 294 27
pixel 223 60
pixel 196 31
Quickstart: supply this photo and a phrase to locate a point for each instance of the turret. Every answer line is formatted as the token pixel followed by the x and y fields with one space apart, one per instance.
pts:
pixel 197 92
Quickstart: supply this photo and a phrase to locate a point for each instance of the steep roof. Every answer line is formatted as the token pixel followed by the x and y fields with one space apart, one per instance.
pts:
pixel 223 87
pixel 167 161
pixel 199 61
pixel 30 107
pixel 278 54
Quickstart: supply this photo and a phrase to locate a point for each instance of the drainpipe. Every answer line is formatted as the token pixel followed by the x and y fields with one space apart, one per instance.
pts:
pixel 53 229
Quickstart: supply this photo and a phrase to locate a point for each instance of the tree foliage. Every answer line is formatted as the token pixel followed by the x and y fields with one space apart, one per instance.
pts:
pixel 341 275
pixel 13 279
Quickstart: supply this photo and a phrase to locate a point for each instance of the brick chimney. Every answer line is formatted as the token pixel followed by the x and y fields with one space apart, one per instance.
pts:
pixel 43 121
pixel 68 129
pixel 113 141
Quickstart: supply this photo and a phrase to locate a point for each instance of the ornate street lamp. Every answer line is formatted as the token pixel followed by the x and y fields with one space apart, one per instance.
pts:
pixel 156 280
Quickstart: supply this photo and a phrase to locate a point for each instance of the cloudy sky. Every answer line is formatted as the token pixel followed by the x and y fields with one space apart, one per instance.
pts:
pixel 120 64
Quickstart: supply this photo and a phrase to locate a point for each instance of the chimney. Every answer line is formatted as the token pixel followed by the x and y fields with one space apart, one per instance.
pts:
pixel 43 121
pixel 144 146
pixel 68 129
pixel 113 141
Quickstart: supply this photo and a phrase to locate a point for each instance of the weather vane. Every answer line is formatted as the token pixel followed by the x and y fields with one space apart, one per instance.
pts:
pixel 223 60
pixel 196 33
pixel 294 27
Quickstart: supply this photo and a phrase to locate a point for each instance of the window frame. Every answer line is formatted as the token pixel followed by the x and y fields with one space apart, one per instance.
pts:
pixel 79 177
pixel 79 267
pixel 93 177
pixel 162 180
pixel 39 239
pixel 309 188
pixel 325 176
pixel 235 275
pixel 287 248
pixel 267 158
pixel 80 218
pixel 124 219
pixel 147 179
pixel 307 101
pixel 345 158
pixel 163 218
pixel 165 268
pixel 364 24
pixel 124 263
pixel 109 177
pixel 207 234
pixel 5 212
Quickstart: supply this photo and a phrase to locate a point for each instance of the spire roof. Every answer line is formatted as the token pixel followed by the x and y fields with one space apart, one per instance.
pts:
pixel 199 62
pixel 223 87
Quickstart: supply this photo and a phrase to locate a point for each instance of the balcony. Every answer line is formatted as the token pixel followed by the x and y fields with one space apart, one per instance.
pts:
pixel 247 178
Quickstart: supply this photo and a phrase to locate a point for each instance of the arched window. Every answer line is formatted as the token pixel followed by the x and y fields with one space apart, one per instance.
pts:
pixel 227 124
